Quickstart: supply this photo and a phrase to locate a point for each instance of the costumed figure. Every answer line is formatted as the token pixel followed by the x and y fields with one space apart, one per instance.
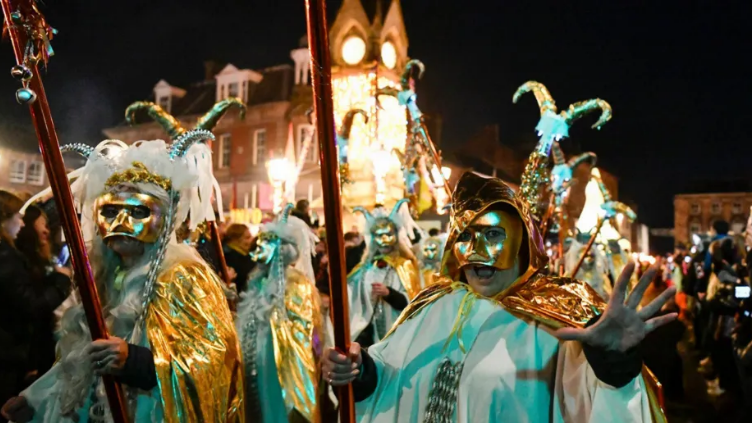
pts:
pixel 281 327
pixel 387 278
pixel 173 345
pixel 496 339
pixel 431 252
pixel 594 268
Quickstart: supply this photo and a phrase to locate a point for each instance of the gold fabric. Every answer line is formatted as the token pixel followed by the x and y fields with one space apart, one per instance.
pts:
pixel 554 301
pixel 407 272
pixel 138 174
pixel 295 349
pixel 429 277
pixel 196 351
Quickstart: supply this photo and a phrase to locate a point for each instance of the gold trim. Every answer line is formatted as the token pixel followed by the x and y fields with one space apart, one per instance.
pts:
pixel 138 174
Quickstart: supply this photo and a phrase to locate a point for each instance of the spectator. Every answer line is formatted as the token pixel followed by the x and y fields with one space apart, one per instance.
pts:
pixel 237 248
pixel 28 299
pixel 302 211
pixel 355 246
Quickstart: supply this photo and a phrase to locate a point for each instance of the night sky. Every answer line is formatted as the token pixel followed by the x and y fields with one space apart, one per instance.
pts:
pixel 678 74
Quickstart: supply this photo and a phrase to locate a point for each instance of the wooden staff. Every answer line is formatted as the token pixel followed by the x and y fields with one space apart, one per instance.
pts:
pixel 53 163
pixel 321 68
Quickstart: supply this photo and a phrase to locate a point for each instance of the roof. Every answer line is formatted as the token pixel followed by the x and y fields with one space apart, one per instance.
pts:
pixel 376 8
pixel 276 85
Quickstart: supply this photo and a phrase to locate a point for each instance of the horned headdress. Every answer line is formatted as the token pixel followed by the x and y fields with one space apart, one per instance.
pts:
pixel 399 217
pixel 551 128
pixel 172 126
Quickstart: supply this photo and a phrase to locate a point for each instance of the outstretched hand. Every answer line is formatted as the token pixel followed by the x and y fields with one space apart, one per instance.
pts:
pixel 622 326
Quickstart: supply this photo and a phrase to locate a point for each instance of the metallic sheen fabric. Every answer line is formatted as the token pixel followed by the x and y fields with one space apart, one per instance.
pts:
pixel 130 214
pixel 195 347
pixel 407 272
pixel 297 336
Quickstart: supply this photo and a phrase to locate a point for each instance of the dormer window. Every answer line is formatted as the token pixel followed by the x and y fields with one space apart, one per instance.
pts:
pixel 165 95
pixel 234 82
pixel 164 102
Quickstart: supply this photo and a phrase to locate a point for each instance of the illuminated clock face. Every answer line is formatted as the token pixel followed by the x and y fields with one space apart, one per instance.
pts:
pixel 353 50
pixel 389 55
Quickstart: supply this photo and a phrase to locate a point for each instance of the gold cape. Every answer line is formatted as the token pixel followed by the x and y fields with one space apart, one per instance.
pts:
pixel 196 351
pixel 554 301
pixel 297 338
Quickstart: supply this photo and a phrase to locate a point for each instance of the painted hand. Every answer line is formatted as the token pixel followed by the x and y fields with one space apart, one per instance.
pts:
pixel 340 369
pixel 108 356
pixel 622 326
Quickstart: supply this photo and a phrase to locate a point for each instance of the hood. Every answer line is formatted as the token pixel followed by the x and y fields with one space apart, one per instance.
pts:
pixel 473 195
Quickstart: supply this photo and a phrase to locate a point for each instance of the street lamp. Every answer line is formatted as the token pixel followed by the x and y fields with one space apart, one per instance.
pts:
pixel 279 171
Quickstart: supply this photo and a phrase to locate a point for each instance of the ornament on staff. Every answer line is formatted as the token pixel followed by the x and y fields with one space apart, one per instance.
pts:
pixel 552 127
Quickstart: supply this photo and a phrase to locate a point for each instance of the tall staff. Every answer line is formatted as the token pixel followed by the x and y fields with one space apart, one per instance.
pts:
pixel 30 35
pixel 321 69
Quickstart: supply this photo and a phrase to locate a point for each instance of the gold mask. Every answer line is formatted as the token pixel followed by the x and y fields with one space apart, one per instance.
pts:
pixel 266 247
pixel 431 250
pixel 384 233
pixel 493 239
pixel 129 214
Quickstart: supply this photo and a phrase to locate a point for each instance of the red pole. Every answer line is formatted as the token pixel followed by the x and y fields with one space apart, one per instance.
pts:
pixel 53 162
pixel 321 70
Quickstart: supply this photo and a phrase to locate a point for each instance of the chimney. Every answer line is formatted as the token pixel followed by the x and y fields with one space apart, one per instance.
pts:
pixel 211 69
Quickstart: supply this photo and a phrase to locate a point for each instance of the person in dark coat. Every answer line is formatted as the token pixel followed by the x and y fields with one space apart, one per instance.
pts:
pixel 28 300
pixel 237 246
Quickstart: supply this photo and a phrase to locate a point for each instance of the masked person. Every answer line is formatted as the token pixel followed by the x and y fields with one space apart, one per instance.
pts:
pixel 432 249
pixel 281 326
pixel 497 340
pixel 381 286
pixel 594 268
pixel 173 344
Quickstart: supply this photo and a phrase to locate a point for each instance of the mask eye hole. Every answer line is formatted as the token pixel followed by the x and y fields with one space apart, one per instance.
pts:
pixel 140 212
pixel 494 233
pixel 109 211
pixel 465 237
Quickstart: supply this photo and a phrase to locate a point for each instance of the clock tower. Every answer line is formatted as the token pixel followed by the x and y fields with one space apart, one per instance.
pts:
pixel 369 50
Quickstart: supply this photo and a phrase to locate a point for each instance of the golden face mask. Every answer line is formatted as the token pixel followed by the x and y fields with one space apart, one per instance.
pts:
pixel 384 233
pixel 493 239
pixel 266 247
pixel 431 250
pixel 129 214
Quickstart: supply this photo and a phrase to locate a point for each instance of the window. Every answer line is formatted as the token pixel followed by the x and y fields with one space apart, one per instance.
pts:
pixel 233 90
pixel 18 171
pixel 36 173
pixel 715 208
pixel 164 102
pixel 259 146
pixel 225 150
pixel 306 132
pixel 694 228
pixel 695 208
pixel 737 228
pixel 737 208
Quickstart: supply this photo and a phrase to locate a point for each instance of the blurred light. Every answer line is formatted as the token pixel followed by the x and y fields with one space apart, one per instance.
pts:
pixel 353 50
pixel 389 55
pixel 687 259
pixel 446 172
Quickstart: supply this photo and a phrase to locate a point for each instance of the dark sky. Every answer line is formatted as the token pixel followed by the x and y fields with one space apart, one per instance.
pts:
pixel 678 74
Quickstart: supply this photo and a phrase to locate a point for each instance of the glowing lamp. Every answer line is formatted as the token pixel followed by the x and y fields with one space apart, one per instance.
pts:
pixel 278 171
pixel 388 55
pixel 353 50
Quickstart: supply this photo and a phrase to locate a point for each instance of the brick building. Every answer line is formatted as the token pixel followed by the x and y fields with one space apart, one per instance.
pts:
pixel 695 213
pixel 22 171
pixel 367 38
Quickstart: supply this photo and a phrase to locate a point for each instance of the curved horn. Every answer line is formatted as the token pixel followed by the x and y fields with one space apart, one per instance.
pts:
pixel 83 149
pixel 285 215
pixel 171 125
pixel 396 208
pixel 408 72
pixel 588 157
pixel 210 119
pixel 542 95
pixel 347 122
pixel 559 157
pixel 366 213
pixel 184 142
pixel 581 108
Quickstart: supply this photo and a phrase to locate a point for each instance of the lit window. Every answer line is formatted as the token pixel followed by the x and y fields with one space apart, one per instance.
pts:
pixel 694 228
pixel 353 50
pixel 306 132
pixel 715 208
pixel 225 150
pixel 233 89
pixel 389 55
pixel 695 208
pixel 164 102
pixel 737 208
pixel 259 146
pixel 18 171
pixel 36 173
